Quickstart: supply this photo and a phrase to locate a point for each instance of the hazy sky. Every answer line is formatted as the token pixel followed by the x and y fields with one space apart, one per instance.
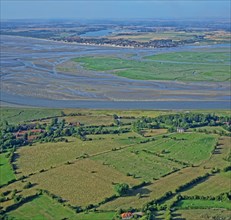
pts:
pixel 23 9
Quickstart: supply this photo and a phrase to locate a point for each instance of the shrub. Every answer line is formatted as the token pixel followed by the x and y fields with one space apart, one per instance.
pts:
pixel 121 188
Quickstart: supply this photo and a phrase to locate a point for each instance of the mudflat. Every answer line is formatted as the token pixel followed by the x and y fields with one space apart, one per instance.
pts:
pixel 42 70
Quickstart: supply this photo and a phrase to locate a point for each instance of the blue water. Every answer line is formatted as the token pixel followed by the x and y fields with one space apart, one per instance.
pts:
pixel 168 105
pixel 101 33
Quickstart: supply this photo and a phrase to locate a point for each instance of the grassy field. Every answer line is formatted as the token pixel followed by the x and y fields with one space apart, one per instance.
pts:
pixel 44 155
pixel 155 190
pixel 17 115
pixel 187 147
pixel 140 164
pixel 21 114
pixel 194 204
pixel 170 34
pixel 153 132
pixel 96 216
pixel 6 172
pixel 171 182
pixel 153 69
pixel 88 117
pixel 197 57
pixel 42 208
pixel 214 186
pixel 222 152
pixel 202 214
pixel 92 119
pixel 82 183
pixel 123 113
pixel 212 129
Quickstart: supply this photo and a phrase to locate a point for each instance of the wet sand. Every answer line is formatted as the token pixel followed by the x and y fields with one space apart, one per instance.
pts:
pixel 30 76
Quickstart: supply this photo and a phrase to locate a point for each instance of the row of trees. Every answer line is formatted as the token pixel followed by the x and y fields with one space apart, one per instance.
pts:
pixel 184 120
pixel 192 182
pixel 221 197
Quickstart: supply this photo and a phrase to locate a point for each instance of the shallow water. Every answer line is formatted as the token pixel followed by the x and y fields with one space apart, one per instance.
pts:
pixel 83 104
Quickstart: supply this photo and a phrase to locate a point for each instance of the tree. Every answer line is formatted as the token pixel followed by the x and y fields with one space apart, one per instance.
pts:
pixel 121 188
pixel 28 185
pixel 54 121
pixel 149 215
pixel 18 198
pixel 25 136
pixel 63 123
pixel 63 113
pixel 48 128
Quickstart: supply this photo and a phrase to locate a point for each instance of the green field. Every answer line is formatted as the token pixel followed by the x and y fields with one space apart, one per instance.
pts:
pixel 155 190
pixel 187 147
pixel 196 66
pixel 96 216
pixel 197 57
pixel 177 35
pixel 6 172
pixel 211 129
pixel 33 158
pixel 17 115
pixel 165 34
pixel 214 186
pixel 84 172
pixel 91 119
pixel 140 164
pixel 83 182
pixel 203 214
pixel 193 204
pixel 42 208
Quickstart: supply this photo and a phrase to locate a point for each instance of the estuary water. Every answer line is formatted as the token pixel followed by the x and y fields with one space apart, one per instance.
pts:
pixel 33 73
pixel 100 33
pixel 125 105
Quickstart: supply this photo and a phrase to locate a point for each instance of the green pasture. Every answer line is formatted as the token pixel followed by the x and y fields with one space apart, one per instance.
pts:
pixel 194 57
pixel 191 148
pixel 212 129
pixel 138 163
pixel 42 208
pixel 6 172
pixel 44 155
pixel 203 214
pixel 206 204
pixel 193 67
pixel 19 115
pixel 96 216
pixel 214 186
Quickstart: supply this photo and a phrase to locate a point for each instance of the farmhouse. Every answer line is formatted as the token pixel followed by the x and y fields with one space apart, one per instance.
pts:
pixel 126 215
pixel 180 130
pixel 129 215
pixel 227 123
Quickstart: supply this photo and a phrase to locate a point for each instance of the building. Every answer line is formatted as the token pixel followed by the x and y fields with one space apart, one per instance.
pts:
pixel 180 130
pixel 129 215
pixel 126 215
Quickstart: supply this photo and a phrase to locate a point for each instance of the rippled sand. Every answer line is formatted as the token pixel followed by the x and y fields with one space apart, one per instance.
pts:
pixel 41 70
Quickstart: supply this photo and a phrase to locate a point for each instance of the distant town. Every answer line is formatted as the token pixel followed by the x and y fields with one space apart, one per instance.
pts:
pixel 139 34
pixel 128 43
